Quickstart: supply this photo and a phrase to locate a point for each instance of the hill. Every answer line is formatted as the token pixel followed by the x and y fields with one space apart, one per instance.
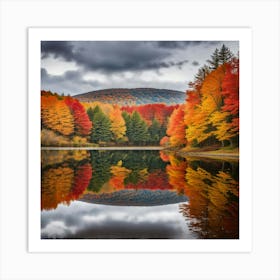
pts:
pixel 134 96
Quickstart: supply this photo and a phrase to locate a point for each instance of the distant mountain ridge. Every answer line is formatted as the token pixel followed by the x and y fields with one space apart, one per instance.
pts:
pixel 133 96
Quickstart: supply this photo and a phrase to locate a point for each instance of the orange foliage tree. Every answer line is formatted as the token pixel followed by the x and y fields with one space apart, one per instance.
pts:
pixel 212 108
pixel 119 173
pixel 176 171
pixel 176 127
pixel 213 202
pixel 56 186
pixel 55 114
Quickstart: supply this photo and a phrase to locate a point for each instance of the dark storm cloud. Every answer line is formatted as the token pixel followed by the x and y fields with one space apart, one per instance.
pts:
pixel 182 44
pixel 112 64
pixel 62 49
pixel 70 82
pixel 167 64
pixel 111 57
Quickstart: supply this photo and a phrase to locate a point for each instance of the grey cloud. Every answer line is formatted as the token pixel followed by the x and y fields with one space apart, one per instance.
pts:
pixel 183 44
pixel 62 49
pixel 109 56
pixel 114 56
pixel 114 59
pixel 168 64
pixel 195 63
pixel 70 82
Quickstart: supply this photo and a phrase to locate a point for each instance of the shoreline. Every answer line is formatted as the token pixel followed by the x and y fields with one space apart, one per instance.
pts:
pixel 156 148
pixel 214 154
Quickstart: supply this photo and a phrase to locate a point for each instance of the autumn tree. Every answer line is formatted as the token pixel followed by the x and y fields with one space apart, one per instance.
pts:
pixel 118 127
pixel 81 181
pixel 228 127
pixel 55 115
pixel 148 112
pixel 176 171
pixel 202 125
pixel 213 207
pixel 164 141
pixel 119 173
pixel 176 127
pixel 82 122
pixel 55 186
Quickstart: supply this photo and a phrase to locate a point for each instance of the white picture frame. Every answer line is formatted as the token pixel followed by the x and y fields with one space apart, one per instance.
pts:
pixel 261 261
pixel 243 36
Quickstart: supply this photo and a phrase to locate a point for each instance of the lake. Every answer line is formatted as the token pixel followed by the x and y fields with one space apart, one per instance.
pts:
pixel 137 194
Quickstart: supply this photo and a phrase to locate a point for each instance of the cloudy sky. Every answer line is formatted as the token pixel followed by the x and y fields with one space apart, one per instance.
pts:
pixel 74 67
pixel 86 220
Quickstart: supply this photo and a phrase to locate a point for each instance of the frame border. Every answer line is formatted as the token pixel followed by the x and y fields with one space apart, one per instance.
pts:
pixel 243 35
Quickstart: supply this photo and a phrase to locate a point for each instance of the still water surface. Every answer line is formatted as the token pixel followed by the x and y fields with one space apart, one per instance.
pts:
pixel 137 194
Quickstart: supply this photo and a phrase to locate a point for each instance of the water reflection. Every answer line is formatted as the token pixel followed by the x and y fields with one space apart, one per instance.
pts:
pixel 198 198
pixel 86 221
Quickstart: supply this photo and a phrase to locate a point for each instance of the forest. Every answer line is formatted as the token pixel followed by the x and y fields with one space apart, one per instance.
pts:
pixel 208 118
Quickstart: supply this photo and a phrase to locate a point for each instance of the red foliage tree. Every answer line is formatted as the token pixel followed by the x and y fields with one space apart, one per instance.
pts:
pixel 81 181
pixel 82 122
pixel 148 112
pixel 156 180
pixel 164 141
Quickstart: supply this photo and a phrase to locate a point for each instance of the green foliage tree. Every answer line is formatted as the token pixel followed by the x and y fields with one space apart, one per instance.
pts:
pixel 90 112
pixel 139 129
pixel 101 166
pixel 128 124
pixel 101 131
pixel 155 131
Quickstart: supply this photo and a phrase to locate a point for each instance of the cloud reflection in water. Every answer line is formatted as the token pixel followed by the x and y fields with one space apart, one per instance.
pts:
pixel 83 220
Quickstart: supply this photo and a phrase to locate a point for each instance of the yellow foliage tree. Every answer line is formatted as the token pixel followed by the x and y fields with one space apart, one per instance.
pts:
pixel 56 186
pixel 118 126
pixel 56 115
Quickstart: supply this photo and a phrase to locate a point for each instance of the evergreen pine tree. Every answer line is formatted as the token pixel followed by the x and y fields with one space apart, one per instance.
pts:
pixel 154 131
pixel 101 127
pixel 139 133
pixel 225 55
pixel 90 113
pixel 101 165
pixel 215 59
pixel 202 73
pixel 129 129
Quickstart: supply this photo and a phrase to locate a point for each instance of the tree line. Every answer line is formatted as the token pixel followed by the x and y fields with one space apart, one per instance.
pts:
pixel 210 116
pixel 66 121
